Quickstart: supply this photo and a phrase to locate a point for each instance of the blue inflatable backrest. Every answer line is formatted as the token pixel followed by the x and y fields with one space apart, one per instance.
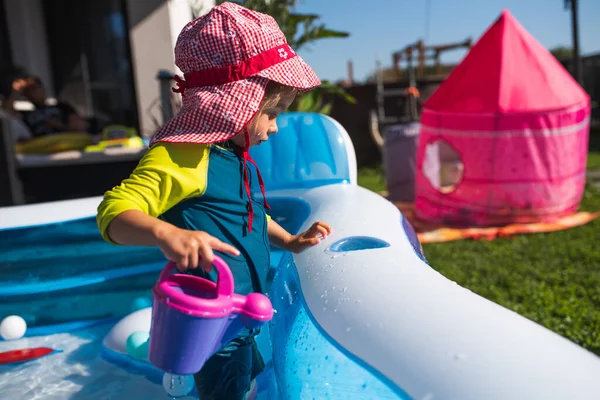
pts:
pixel 309 150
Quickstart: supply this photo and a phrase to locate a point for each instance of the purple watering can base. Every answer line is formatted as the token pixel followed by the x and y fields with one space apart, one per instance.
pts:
pixel 193 317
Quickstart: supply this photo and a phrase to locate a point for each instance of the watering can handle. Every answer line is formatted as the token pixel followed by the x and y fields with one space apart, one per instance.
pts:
pixel 225 281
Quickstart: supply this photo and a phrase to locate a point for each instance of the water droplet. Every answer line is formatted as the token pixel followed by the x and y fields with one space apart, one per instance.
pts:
pixel 344 289
pixel 364 385
pixel 348 329
pixel 335 310
pixel 308 370
pixel 326 301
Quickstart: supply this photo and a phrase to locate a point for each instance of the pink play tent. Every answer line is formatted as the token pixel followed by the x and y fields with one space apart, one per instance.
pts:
pixel 504 138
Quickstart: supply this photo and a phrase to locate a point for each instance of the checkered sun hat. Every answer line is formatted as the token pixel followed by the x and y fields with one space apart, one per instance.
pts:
pixel 227 58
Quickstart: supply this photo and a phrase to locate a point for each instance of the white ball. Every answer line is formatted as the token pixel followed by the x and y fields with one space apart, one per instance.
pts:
pixel 12 327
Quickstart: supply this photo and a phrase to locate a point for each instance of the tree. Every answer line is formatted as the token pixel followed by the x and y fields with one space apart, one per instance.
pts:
pixel 300 30
pixel 562 53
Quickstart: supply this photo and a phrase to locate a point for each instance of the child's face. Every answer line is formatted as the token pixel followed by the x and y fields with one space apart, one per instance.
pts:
pixel 264 124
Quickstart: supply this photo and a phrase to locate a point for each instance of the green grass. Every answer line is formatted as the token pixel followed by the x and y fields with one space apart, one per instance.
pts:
pixel 550 278
pixel 372 179
pixel 593 161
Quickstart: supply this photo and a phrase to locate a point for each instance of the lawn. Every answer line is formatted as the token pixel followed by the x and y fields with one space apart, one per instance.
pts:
pixel 550 278
pixel 593 161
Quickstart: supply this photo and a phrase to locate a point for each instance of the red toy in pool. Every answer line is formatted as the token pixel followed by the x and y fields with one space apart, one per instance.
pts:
pixel 22 355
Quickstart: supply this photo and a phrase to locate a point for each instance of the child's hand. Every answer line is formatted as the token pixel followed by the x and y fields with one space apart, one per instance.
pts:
pixel 191 249
pixel 19 85
pixel 319 230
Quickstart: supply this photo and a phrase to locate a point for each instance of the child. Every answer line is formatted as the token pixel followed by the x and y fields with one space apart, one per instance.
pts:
pixel 190 194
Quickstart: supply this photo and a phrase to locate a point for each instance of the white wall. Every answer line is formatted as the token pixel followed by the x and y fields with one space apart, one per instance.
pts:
pixel 180 13
pixel 27 35
pixel 151 50
pixel 153 29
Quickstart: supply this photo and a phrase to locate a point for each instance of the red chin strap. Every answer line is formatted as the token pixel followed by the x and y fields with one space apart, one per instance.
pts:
pixel 246 156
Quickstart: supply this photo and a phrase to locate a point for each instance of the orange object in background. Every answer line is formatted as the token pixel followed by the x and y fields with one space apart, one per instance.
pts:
pixel 437 233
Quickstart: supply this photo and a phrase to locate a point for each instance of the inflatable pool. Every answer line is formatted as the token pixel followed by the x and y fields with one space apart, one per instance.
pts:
pixel 359 316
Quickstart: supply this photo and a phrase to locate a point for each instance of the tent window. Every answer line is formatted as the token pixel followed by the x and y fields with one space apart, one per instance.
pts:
pixel 442 166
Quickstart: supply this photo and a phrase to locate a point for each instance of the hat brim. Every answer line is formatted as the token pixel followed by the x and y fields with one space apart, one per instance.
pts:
pixel 294 72
pixel 213 114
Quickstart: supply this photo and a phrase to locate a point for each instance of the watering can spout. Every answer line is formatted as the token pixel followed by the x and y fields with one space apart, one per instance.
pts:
pixel 254 309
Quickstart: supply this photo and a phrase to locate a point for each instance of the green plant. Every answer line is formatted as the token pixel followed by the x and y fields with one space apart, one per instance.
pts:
pixel 300 30
pixel 562 52
pixel 593 160
pixel 372 178
pixel 313 101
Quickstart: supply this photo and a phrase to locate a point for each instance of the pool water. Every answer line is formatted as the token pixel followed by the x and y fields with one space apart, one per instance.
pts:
pixel 60 273
pixel 71 287
pixel 78 372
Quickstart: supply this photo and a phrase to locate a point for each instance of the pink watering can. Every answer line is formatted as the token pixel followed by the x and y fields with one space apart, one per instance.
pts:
pixel 193 317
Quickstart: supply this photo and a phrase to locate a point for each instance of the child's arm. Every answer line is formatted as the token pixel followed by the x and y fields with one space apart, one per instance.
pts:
pixel 167 175
pixel 188 249
pixel 296 243
pixel 136 228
